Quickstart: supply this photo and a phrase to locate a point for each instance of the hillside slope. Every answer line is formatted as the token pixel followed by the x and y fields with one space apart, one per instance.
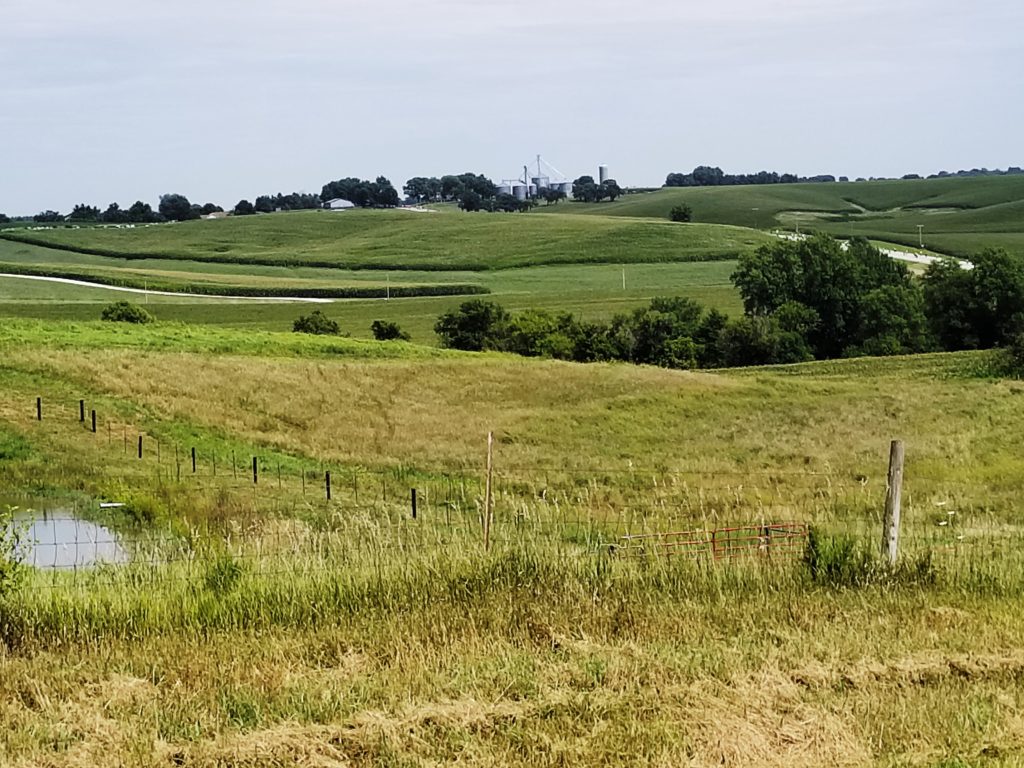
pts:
pixel 405 240
pixel 958 215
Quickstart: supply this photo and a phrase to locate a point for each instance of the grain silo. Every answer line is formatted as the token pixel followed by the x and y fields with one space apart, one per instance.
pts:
pixel 602 174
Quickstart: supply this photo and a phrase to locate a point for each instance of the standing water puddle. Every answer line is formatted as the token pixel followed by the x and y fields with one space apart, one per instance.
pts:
pixel 59 539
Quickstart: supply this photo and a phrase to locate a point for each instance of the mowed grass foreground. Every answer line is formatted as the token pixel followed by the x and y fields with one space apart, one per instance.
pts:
pixel 545 650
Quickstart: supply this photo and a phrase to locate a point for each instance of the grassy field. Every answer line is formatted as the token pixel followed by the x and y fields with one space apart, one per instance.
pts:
pixel 404 240
pixel 348 634
pixel 960 216
pixel 261 624
pixel 591 291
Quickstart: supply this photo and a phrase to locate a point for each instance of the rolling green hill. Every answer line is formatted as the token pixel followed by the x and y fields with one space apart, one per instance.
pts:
pixel 405 240
pixel 959 216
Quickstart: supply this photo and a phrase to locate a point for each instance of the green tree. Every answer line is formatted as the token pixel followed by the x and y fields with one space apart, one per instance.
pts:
pixel 611 189
pixel 175 207
pixel 418 188
pixel 142 213
pixel 470 201
pixel 83 212
pixel 126 312
pixel 586 190
pixel 475 326
pixel 114 215
pixel 824 276
pixel 893 322
pixel 645 335
pixel 553 196
pixel 536 333
pixel 317 323
pixel 244 208
pixel 385 330
pixel 999 296
pixel 977 308
pixel 708 337
pixel 681 213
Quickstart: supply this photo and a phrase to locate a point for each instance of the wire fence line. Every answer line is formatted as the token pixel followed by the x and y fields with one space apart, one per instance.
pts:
pixel 297 518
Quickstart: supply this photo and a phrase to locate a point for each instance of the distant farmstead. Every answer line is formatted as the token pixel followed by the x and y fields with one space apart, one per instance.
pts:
pixel 339 204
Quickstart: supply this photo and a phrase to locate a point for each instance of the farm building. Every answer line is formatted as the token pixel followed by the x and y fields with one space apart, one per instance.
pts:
pixel 339 204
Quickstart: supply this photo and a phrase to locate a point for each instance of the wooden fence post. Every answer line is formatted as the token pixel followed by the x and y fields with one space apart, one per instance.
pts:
pixel 893 499
pixel 255 471
pixel 140 446
pixel 39 409
pixel 94 422
pixel 81 411
pixel 327 484
pixel 488 492
pixel 413 499
pixel 193 460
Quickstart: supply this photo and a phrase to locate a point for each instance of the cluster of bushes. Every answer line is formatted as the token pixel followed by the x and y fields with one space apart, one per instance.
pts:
pixel 317 323
pixel 669 332
pixel 811 299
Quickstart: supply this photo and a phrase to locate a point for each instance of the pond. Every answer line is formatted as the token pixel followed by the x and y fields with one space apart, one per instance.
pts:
pixel 61 539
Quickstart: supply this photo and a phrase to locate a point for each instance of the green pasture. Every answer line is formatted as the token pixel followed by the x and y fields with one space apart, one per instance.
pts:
pixel 405 240
pixel 590 291
pixel 268 626
pixel 959 216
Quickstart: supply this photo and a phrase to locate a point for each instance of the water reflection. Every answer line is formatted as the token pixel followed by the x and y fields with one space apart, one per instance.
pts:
pixel 60 539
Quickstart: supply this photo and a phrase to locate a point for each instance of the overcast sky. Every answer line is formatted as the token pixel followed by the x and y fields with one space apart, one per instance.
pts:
pixel 112 100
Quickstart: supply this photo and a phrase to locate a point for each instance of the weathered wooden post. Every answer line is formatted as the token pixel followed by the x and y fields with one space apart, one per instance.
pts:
pixel 81 411
pixel 39 409
pixel 140 446
pixel 327 484
pixel 255 471
pixel 413 499
pixel 893 500
pixel 193 459
pixel 94 422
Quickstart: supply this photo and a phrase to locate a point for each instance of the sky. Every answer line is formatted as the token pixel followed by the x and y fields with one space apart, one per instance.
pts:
pixel 113 101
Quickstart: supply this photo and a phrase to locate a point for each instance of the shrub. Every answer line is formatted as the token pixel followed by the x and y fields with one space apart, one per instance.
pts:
pixel 11 569
pixel 841 561
pixel 838 561
pixel 475 326
pixel 126 312
pixel 1011 358
pixel 223 575
pixel 316 323
pixel 681 213
pixel 385 330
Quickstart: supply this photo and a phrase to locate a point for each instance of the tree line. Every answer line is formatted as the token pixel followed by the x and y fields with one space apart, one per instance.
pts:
pixel 805 300
pixel 713 176
pixel 172 207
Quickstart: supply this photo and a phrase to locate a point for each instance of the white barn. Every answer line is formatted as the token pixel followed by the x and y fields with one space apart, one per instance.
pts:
pixel 339 204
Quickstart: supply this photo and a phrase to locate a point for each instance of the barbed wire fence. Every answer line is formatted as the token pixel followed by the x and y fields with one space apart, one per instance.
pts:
pixel 279 514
